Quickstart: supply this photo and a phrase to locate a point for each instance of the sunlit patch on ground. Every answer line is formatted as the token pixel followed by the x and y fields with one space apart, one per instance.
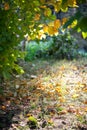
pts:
pixel 53 92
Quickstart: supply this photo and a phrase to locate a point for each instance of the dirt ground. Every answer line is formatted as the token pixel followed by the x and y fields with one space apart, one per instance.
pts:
pixel 53 92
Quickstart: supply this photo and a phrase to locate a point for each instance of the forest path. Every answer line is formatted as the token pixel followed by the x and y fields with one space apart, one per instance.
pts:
pixel 52 91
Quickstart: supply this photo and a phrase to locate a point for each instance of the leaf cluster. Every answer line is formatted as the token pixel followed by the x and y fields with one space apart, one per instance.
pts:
pixel 18 18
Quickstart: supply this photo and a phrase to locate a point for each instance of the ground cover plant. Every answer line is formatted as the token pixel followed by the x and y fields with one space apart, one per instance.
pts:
pixel 52 94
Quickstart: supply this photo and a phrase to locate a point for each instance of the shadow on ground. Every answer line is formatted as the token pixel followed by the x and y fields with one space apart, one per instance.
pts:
pixel 6 118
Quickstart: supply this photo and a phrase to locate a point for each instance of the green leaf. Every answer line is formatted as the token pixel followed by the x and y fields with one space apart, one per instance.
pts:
pixel 6 74
pixel 1 49
pixel 77 16
pixel 83 24
pixel 64 6
pixel 47 12
pixel 84 34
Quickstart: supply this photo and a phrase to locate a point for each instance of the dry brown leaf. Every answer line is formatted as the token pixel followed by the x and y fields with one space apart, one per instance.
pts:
pixel 6 6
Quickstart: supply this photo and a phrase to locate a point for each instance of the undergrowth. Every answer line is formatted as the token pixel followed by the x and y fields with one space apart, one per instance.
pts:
pixel 62 46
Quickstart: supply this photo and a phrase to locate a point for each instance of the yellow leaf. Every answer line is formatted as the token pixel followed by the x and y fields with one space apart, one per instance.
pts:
pixel 51 30
pixel 50 86
pixel 31 26
pixel 85 109
pixel 29 114
pixel 84 34
pixel 45 28
pixel 74 68
pixel 81 84
pixel 57 6
pixel 42 1
pixel 49 93
pixel 74 24
pixel 29 38
pixel 85 89
pixel 62 68
pixel 64 7
pixel 64 20
pixel 41 34
pixel 72 3
pixel 51 24
pixel 43 7
pixel 40 25
pixel 55 31
pixel 50 121
pixel 62 112
pixel 75 96
pixel 58 89
pixel 62 99
pixel 57 23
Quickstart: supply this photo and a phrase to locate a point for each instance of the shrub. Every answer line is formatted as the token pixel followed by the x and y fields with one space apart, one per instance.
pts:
pixel 61 46
pixel 37 49
pixel 64 46
pixel 31 49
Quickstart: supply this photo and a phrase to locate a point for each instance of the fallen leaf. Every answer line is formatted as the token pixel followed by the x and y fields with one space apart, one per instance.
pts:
pixel 85 109
pixel 62 112
pixel 85 102
pixel 71 109
pixel 75 96
pixel 3 107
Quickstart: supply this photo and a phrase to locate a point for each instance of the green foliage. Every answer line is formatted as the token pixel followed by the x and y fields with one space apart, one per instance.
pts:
pixel 65 46
pixel 8 42
pixel 31 49
pixel 82 53
pixel 35 49
pixel 1 91
pixel 78 22
pixel 17 18
pixel 61 46
pixel 15 21
pixel 81 1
